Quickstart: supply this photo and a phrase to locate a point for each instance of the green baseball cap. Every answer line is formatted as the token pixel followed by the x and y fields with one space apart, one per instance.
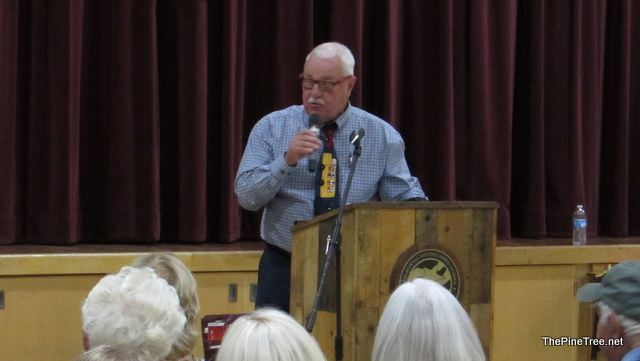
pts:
pixel 620 289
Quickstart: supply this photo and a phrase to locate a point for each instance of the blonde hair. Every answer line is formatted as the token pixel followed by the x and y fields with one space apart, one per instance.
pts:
pixel 424 321
pixel 268 334
pixel 170 268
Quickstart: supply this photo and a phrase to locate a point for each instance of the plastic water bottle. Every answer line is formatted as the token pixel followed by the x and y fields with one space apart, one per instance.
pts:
pixel 579 226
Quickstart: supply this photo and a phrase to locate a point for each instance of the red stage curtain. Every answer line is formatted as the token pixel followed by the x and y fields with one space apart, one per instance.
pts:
pixel 125 121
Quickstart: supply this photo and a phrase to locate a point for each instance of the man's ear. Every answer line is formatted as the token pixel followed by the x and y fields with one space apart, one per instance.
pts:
pixel 613 326
pixel 352 83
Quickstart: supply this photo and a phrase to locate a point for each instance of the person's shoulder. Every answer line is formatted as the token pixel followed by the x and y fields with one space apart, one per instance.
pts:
pixel 289 112
pixel 369 117
pixel 363 114
pixel 373 122
pixel 278 119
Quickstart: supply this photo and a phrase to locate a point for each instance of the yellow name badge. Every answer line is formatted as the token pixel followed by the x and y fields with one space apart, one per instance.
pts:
pixel 329 176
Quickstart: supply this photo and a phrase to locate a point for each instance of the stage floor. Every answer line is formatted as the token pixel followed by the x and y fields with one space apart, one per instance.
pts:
pixel 129 247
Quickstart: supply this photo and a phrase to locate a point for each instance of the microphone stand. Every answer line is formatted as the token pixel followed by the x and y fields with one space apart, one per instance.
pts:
pixel 334 249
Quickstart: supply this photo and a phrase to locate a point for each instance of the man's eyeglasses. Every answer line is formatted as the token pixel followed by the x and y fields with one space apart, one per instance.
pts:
pixel 324 85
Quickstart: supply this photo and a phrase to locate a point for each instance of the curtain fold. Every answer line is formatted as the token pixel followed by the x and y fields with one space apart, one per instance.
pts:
pixel 557 117
pixel 183 89
pixel 125 121
pixel 52 141
pixel 427 94
pixel 619 186
pixel 9 213
pixel 483 129
pixel 120 123
pixel 232 78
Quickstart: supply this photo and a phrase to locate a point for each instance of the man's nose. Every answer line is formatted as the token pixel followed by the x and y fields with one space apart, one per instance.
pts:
pixel 315 91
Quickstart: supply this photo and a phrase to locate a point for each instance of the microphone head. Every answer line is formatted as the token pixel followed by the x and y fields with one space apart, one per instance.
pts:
pixel 355 137
pixel 314 121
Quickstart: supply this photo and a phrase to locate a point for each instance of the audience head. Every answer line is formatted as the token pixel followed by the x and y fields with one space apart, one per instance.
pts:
pixel 114 353
pixel 133 308
pixel 170 268
pixel 268 334
pixel 424 321
pixel 617 299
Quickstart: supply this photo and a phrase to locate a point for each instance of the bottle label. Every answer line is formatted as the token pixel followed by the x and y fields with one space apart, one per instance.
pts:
pixel 580 223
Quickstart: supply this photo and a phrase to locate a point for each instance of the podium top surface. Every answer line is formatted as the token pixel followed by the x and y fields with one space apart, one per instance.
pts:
pixel 400 205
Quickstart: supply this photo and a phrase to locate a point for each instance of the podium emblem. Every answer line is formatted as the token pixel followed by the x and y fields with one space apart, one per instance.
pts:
pixel 426 261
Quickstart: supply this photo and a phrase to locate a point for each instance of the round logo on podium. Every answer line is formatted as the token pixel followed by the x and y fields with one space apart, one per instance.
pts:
pixel 426 261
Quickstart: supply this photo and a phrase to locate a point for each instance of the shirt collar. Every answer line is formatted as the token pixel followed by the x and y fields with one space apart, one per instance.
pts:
pixel 344 117
pixel 341 120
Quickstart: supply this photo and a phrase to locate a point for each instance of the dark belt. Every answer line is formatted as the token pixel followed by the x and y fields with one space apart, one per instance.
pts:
pixel 279 250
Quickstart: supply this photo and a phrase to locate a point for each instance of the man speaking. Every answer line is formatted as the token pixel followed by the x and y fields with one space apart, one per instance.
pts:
pixel 295 164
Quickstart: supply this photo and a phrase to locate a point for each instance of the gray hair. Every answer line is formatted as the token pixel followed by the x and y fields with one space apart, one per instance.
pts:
pixel 114 353
pixel 333 49
pixel 424 321
pixel 171 268
pixel 133 308
pixel 630 327
pixel 268 334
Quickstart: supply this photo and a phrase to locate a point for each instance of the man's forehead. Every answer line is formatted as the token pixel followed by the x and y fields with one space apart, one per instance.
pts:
pixel 328 66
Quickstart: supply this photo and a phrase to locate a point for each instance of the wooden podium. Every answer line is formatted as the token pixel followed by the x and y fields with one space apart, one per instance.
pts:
pixel 383 244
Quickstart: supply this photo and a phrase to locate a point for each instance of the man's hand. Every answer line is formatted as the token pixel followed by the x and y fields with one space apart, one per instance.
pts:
pixel 302 144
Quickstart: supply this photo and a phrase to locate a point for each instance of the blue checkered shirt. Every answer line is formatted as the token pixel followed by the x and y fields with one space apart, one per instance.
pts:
pixel 632 355
pixel 287 193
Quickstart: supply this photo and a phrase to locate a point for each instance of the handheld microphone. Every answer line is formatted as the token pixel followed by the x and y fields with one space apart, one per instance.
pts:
pixel 314 126
pixel 356 137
